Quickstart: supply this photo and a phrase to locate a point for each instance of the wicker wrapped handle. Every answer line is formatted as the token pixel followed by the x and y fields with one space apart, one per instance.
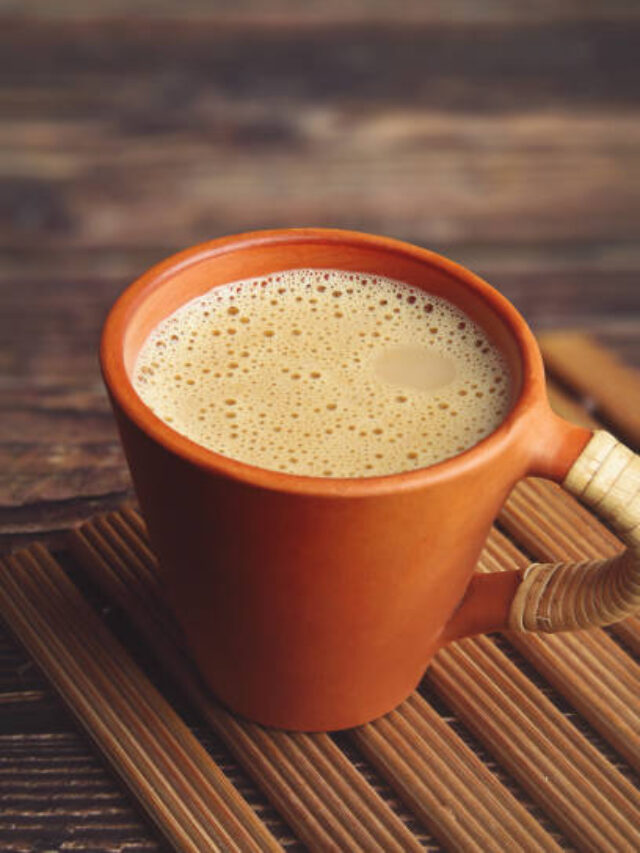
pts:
pixel 568 596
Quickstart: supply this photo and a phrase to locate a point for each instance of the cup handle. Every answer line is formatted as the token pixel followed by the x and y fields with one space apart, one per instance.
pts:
pixel 551 597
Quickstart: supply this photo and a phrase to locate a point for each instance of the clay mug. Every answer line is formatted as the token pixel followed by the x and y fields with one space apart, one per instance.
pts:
pixel 316 603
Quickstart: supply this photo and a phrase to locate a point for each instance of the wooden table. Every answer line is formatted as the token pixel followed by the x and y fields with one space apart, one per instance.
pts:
pixel 501 135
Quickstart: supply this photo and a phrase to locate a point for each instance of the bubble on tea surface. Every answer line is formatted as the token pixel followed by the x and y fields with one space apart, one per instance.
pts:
pixel 306 360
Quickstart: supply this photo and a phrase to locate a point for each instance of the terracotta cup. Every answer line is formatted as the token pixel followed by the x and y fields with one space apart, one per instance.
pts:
pixel 315 603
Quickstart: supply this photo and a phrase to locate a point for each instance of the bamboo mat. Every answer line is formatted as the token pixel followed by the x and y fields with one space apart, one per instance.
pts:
pixel 511 742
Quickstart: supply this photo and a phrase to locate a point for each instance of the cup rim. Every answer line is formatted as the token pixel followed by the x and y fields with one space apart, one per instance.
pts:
pixel 125 397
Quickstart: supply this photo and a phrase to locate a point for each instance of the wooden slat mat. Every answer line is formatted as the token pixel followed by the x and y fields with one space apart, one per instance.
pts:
pixel 511 743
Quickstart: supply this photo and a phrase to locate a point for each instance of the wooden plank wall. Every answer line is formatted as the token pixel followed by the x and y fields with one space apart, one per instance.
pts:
pixel 502 134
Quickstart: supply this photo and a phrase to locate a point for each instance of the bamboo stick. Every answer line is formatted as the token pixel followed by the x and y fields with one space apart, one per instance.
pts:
pixel 193 804
pixel 589 800
pixel 444 784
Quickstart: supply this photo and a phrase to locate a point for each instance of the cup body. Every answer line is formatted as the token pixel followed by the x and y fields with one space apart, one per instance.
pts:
pixel 312 603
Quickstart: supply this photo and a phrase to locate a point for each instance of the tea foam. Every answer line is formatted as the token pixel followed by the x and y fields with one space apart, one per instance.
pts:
pixel 325 373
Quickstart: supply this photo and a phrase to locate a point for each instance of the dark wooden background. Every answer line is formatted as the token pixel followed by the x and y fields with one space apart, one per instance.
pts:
pixel 503 134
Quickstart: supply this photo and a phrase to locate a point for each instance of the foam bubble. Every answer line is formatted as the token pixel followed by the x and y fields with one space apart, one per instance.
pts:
pixel 362 375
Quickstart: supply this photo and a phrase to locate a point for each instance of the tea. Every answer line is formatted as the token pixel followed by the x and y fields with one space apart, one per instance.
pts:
pixel 325 373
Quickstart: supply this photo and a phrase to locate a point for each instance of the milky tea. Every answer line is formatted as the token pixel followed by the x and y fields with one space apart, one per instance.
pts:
pixel 325 373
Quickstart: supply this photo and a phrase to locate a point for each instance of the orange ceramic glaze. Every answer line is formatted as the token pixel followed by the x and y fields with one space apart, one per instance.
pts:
pixel 312 603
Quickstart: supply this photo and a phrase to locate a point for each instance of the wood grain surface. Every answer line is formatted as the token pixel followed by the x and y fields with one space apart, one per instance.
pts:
pixel 502 134
pixel 505 138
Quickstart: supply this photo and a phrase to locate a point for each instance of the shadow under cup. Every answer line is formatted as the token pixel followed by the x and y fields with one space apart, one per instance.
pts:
pixel 316 603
